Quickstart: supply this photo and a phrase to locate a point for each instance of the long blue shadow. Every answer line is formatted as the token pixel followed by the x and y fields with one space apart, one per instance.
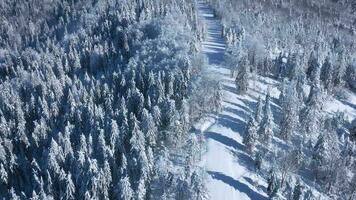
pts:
pixel 234 124
pixel 237 185
pixel 224 140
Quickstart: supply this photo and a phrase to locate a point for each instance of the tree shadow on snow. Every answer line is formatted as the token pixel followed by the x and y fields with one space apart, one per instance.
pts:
pixel 239 112
pixel 237 185
pixel 260 187
pixel 244 108
pixel 227 141
pixel 234 124
pixel 243 159
pixel 348 103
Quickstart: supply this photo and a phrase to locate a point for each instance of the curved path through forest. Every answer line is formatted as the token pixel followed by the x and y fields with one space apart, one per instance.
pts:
pixel 230 169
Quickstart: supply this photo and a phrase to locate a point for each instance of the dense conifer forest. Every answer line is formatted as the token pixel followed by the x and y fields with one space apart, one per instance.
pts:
pixel 178 99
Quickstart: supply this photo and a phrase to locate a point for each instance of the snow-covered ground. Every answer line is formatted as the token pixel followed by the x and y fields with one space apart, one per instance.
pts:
pixel 230 168
pixel 225 160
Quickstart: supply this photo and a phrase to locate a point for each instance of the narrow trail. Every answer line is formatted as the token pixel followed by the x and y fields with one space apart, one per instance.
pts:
pixel 229 167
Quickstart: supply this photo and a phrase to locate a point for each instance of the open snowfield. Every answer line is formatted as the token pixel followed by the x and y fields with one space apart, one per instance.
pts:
pixel 225 160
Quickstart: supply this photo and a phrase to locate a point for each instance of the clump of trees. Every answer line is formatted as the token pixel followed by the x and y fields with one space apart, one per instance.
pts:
pixel 94 95
pixel 312 64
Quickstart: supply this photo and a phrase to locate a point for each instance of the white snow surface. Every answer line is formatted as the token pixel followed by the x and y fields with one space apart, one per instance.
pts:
pixel 225 160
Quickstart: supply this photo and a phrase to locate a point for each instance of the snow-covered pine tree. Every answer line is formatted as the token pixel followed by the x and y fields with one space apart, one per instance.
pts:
pixel 266 127
pixel 218 98
pixel 250 137
pixel 297 192
pixel 319 154
pixel 313 71
pixel 148 126
pixel 258 161
pixel 69 191
pixel 242 77
pixel 141 189
pixel 283 88
pixel 353 130
pixel 124 189
pixel 183 188
pixel 326 159
pixel 326 74
pixel 200 192
pixel 290 119
pixel 138 159
pixel 310 115
pixel 339 71
pixel 272 184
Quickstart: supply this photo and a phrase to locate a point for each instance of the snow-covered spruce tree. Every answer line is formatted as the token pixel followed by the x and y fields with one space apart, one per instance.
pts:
pixel 297 191
pixel 310 115
pixel 291 66
pixel 282 88
pixel 138 159
pixel 163 170
pixel 319 154
pixel 266 126
pixel 313 71
pixel 353 130
pixel 250 137
pixel 326 160
pixel 148 126
pixel 272 184
pixel 242 77
pixel 124 189
pixel 351 187
pixel 339 71
pixel 258 161
pixel 351 76
pixel 200 192
pixel 326 74
pixel 300 85
pixel 218 98
pixel 183 190
pixel 290 119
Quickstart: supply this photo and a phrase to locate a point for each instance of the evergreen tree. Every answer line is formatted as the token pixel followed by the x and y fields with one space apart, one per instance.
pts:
pixel 141 190
pixel 69 188
pixel 310 115
pixel 218 98
pixel 149 128
pixel 319 153
pixel 273 185
pixel 266 127
pixel 290 112
pixel 242 77
pixel 313 71
pixel 183 190
pixel 258 161
pixel 339 71
pixel 198 186
pixel 297 192
pixel 138 159
pixel 353 130
pixel 250 137
pixel 326 74
pixel 124 189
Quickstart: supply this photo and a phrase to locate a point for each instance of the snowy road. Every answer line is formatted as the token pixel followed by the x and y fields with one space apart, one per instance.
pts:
pixel 230 169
